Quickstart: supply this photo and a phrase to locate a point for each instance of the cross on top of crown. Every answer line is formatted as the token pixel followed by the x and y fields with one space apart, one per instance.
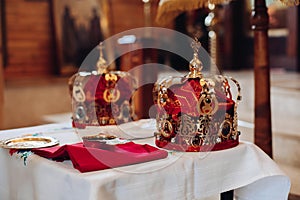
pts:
pixel 195 64
pixel 101 64
pixel 100 47
pixel 196 45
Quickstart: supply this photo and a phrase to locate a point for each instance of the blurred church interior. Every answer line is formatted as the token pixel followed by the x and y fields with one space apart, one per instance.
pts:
pixel 34 89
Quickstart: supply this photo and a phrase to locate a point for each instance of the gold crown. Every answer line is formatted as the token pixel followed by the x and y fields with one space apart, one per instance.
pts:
pixel 102 97
pixel 195 113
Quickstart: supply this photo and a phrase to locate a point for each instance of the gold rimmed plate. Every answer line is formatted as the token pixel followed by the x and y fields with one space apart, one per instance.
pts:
pixel 29 142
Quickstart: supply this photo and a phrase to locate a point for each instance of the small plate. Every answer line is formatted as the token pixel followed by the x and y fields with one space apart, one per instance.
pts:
pixel 102 141
pixel 28 142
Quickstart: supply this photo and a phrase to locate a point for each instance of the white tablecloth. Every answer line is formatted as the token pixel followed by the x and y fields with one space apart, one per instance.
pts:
pixel 245 168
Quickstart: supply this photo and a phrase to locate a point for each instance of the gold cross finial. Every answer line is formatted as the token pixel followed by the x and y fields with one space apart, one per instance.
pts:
pixel 100 46
pixel 101 63
pixel 196 45
pixel 195 64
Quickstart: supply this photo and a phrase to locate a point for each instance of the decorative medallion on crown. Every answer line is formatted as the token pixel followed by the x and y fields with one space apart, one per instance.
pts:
pixel 196 113
pixel 102 97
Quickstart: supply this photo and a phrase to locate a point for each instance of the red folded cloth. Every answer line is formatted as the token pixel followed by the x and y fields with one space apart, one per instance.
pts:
pixel 87 159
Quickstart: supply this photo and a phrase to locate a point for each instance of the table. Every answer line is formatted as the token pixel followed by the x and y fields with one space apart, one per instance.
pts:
pixel 245 169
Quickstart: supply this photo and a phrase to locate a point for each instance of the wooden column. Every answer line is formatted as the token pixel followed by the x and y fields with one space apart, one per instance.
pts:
pixel 263 128
pixel 298 40
pixel 293 41
pixel 1 62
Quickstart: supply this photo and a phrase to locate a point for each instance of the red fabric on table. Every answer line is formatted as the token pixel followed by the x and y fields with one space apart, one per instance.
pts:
pixel 58 153
pixel 87 159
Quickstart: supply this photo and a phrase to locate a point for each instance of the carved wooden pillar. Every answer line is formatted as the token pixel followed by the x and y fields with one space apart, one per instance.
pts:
pixel 298 40
pixel 1 62
pixel 263 129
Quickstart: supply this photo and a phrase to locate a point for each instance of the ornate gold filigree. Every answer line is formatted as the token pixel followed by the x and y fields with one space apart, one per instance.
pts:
pixel 111 95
